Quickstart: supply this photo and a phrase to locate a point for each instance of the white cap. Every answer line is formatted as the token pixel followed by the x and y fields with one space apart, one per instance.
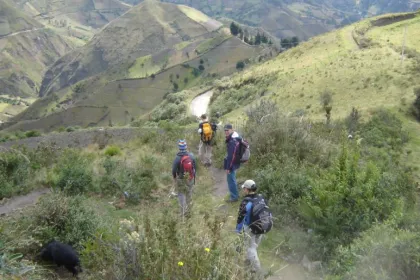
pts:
pixel 249 184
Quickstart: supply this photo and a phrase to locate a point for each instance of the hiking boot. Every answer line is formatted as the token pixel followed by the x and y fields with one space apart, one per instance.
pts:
pixel 231 200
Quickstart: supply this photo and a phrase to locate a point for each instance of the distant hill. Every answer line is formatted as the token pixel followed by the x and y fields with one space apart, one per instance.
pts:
pixel 27 48
pixel 12 20
pixel 360 65
pixel 127 68
pixel 150 28
pixel 93 13
pixel 305 18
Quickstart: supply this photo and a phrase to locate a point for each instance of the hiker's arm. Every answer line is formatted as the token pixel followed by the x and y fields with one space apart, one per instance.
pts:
pixel 231 155
pixel 175 167
pixel 194 161
pixel 241 216
pixel 200 128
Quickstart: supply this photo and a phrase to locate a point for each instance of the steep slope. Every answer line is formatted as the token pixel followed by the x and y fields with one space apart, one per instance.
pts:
pixel 13 21
pixel 360 65
pixel 25 53
pixel 305 19
pixel 93 13
pixel 129 67
pixel 150 28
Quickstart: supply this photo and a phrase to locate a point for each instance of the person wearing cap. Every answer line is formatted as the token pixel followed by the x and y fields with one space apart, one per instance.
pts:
pixel 244 220
pixel 184 185
pixel 230 162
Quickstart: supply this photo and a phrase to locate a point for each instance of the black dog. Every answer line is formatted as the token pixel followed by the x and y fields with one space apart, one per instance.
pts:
pixel 61 254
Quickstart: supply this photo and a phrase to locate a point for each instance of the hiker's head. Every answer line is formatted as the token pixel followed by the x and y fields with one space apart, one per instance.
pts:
pixel 203 117
pixel 249 186
pixel 228 129
pixel 182 145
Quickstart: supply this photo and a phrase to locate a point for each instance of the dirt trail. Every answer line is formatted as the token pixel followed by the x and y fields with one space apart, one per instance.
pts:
pixel 200 103
pixel 20 32
pixel 219 179
pixel 22 201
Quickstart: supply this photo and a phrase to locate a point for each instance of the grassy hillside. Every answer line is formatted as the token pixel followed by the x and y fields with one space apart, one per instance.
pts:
pixel 344 208
pixel 349 207
pixel 90 13
pixel 102 102
pixel 365 76
pixel 130 66
pixel 150 28
pixel 13 20
pixel 304 19
pixel 25 54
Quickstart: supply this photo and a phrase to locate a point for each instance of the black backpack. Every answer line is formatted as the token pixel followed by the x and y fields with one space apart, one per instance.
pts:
pixel 242 151
pixel 261 216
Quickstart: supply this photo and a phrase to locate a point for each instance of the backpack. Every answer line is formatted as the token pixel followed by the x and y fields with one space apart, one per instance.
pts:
pixel 261 216
pixel 242 151
pixel 214 127
pixel 187 166
pixel 207 132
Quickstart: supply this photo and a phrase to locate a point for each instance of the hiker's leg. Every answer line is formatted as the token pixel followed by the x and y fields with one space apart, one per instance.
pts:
pixel 190 186
pixel 209 153
pixel 202 151
pixel 182 202
pixel 252 255
pixel 233 189
pixel 181 195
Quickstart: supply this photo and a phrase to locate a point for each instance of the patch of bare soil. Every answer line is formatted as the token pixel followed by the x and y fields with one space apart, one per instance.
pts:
pixel 22 201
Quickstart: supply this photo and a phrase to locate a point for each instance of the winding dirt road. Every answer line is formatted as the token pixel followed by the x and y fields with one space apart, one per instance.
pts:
pixel 200 103
pixel 20 32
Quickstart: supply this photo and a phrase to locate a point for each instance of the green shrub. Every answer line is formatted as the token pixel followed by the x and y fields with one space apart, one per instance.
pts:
pixel 112 151
pixel 384 130
pixel 273 134
pixel 230 95
pixel 348 198
pixel 416 104
pixel 32 133
pixel 173 108
pixel 67 219
pixel 382 252
pixel 70 129
pixel 240 65
pixel 283 183
pixel 159 246
pixel 14 266
pixel 137 182
pixel 73 172
pixel 15 172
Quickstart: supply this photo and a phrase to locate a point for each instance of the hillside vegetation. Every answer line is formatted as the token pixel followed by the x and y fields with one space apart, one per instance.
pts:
pixel 12 20
pixel 335 149
pixel 26 50
pixel 88 13
pixel 150 28
pixel 349 204
pixel 305 19
pixel 359 66
pixel 129 67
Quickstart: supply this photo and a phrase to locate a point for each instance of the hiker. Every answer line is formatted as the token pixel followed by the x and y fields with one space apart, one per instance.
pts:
pixel 254 219
pixel 231 164
pixel 207 131
pixel 184 172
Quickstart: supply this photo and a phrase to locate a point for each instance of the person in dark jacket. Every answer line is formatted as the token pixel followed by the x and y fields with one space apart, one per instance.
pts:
pixel 244 220
pixel 231 163
pixel 184 182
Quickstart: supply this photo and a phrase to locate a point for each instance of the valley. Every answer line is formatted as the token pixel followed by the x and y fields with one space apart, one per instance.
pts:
pixel 91 121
